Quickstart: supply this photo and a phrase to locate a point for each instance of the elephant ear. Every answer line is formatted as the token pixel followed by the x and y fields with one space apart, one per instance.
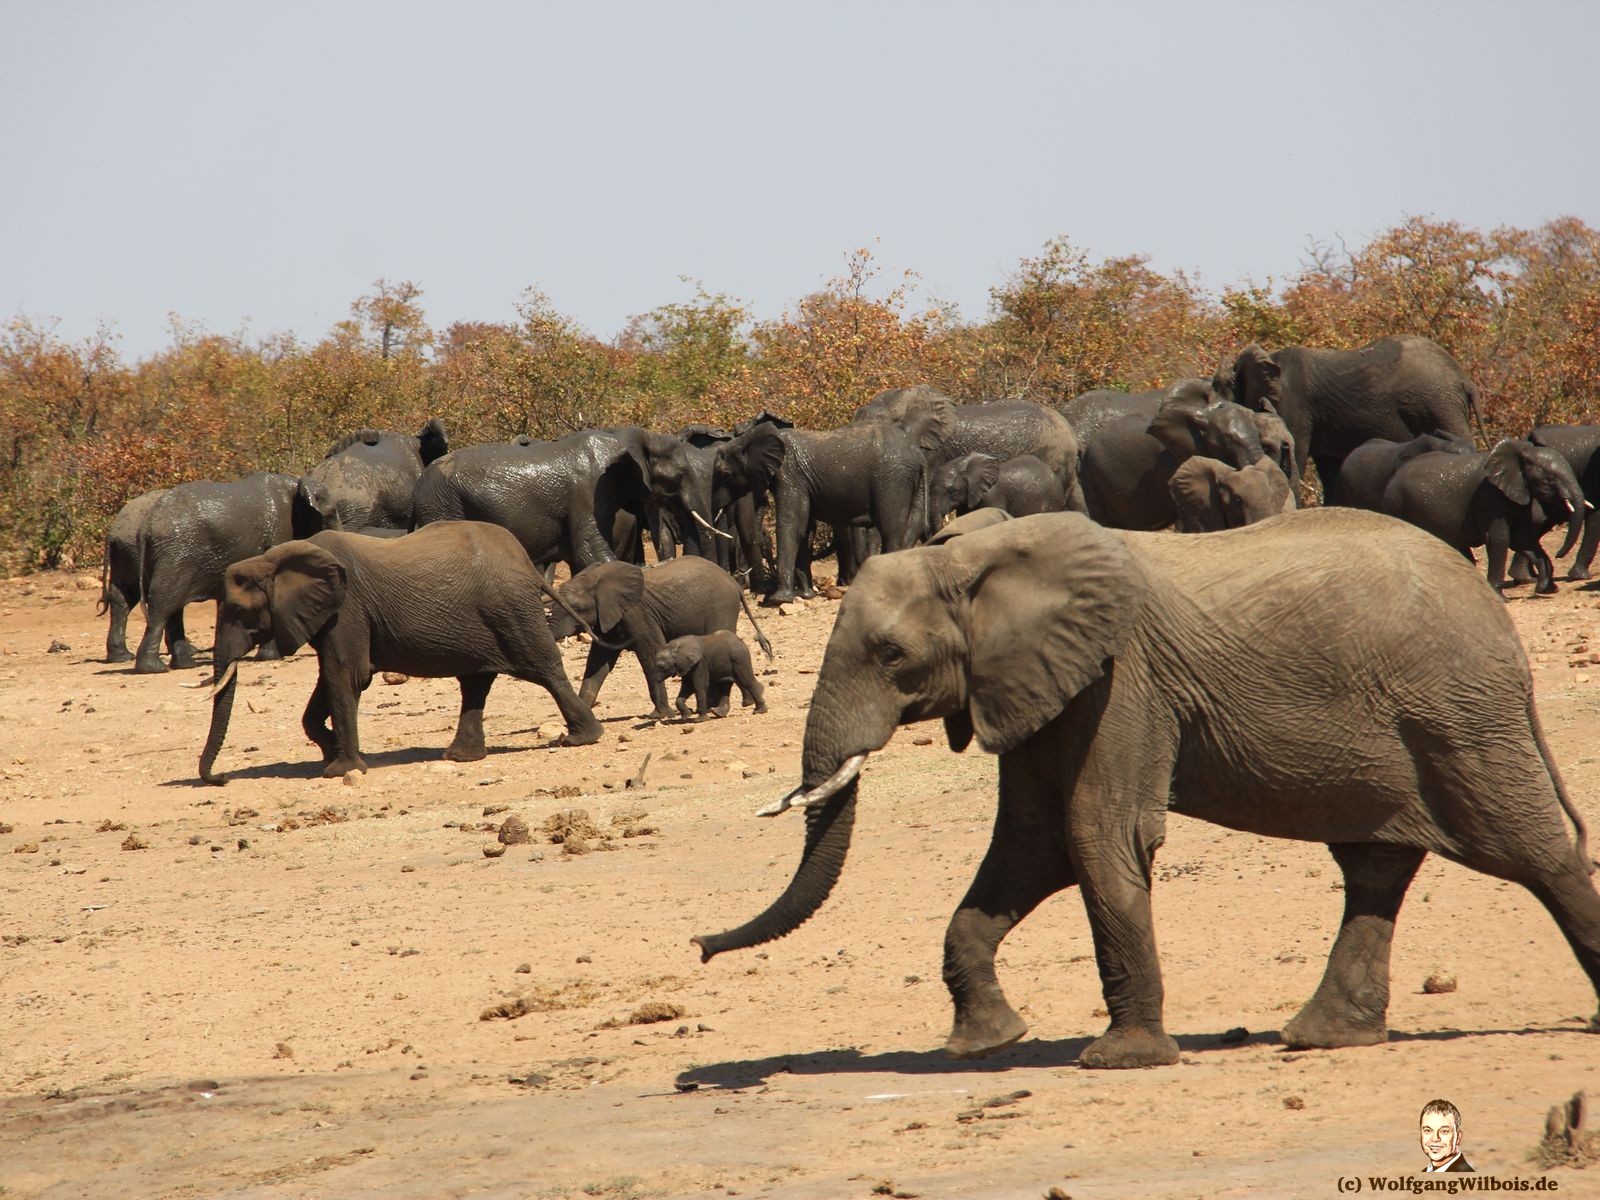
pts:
pixel 618 587
pixel 981 479
pixel 760 451
pixel 1177 425
pixel 1503 468
pixel 313 508
pixel 1050 598
pixel 1197 496
pixel 972 522
pixel 1279 489
pixel 307 586
pixel 432 441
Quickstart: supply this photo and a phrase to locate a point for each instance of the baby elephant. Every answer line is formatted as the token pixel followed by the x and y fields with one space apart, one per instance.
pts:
pixel 1210 495
pixel 710 665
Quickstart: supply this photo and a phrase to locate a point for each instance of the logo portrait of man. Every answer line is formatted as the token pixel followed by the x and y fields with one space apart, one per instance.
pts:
pixel 1441 1137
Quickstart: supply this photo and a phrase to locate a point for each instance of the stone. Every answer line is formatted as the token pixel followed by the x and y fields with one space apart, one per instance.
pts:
pixel 514 832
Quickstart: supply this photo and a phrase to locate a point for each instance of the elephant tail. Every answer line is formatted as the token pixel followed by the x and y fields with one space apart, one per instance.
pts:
pixel 105 581
pixel 1476 414
pixel 1579 829
pixel 761 638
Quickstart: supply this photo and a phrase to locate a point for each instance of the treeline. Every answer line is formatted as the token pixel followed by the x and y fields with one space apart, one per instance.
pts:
pixel 81 430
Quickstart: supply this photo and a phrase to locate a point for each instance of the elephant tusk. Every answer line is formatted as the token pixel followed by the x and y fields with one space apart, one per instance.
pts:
pixel 800 798
pixel 224 679
pixel 1586 504
pixel 710 526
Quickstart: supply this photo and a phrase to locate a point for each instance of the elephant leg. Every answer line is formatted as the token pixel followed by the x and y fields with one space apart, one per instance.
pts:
pixel 595 669
pixel 540 662
pixel 1350 1005
pixel 794 522
pixel 1591 541
pixel 1497 545
pixel 1520 571
pixel 119 605
pixel 315 721
pixel 343 692
pixel 682 702
pixel 268 652
pixel 147 661
pixel 467 745
pixel 178 643
pixel 1027 862
pixel 721 696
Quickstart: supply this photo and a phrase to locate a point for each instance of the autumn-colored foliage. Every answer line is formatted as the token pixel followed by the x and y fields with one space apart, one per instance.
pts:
pixel 82 430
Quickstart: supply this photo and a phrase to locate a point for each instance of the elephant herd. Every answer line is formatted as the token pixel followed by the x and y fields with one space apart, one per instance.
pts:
pixel 1331 675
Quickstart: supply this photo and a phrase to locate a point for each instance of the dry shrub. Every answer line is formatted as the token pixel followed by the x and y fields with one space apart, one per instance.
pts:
pixel 543 999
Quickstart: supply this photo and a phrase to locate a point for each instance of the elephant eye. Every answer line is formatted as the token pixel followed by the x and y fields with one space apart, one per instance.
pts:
pixel 890 655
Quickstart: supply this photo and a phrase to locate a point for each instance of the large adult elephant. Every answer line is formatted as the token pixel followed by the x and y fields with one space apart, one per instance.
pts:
pixel 1129 465
pixel 1120 675
pixel 1505 499
pixel 1580 446
pixel 580 499
pixel 1333 400
pixel 458 598
pixel 871 474
pixel 372 474
pixel 195 530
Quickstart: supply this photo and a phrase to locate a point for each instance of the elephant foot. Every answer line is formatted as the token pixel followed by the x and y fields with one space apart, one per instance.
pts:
pixel 720 711
pixel 975 1036
pixel 782 596
pixel 1546 589
pixel 341 767
pixel 119 655
pixel 1123 1049
pixel 465 753
pixel 665 714
pixel 183 661
pixel 761 706
pixel 586 736
pixel 1577 572
pixel 1317 1028
pixel 150 666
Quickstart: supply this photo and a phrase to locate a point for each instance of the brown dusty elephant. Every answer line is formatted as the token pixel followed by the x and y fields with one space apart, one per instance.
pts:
pixel 1210 494
pixel 1329 675
pixel 454 598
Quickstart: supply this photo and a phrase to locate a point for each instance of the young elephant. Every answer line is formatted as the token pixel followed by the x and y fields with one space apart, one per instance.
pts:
pixel 457 598
pixel 641 609
pixel 1021 486
pixel 1211 495
pixel 710 666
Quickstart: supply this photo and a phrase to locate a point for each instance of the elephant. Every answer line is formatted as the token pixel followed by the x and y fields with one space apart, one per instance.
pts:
pixel 710 665
pixel 1369 467
pixel 119 582
pixel 1005 429
pixel 1333 400
pixel 642 609
pixel 1127 466
pixel 1092 411
pixel 1210 495
pixel 195 530
pixel 456 598
pixel 1021 486
pixel 1118 675
pixel 871 473
pixel 1505 499
pixel 579 499
pixel 372 474
pixel 1580 446
pixel 1277 443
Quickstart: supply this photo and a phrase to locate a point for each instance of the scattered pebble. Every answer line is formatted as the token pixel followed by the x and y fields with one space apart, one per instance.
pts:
pixel 1438 984
pixel 514 832
pixel 134 842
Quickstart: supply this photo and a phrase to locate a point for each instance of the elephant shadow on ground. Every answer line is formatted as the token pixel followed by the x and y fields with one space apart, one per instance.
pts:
pixel 310 768
pixel 1035 1055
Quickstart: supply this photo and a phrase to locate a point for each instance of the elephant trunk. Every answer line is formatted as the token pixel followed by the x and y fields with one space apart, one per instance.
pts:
pixel 232 644
pixel 1580 510
pixel 840 733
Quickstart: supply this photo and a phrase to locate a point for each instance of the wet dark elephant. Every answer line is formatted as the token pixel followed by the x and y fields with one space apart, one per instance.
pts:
pixel 1092 411
pixel 1020 486
pixel 372 474
pixel 1504 500
pixel 582 499
pixel 119 582
pixel 195 530
pixel 1369 467
pixel 1119 676
pixel 1333 400
pixel 1580 446
pixel 456 598
pixel 1129 464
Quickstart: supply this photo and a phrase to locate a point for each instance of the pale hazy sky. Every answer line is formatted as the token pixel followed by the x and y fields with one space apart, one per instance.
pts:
pixel 261 164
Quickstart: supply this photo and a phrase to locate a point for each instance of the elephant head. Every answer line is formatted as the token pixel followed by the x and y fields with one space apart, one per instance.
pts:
pixel 1255 493
pixel 432 442
pixel 972 522
pixel 1253 379
pixel 313 508
pixel 1277 443
pixel 960 485
pixel 1193 390
pixel 284 596
pixel 747 465
pixel 680 656
pixel 1541 479
pixel 995 632
pixel 1221 430
pixel 600 595
pixel 924 412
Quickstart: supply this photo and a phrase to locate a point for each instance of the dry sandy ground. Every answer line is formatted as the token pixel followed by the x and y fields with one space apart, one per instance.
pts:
pixel 280 993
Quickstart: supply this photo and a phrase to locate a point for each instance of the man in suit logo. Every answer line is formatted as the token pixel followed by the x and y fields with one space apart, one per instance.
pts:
pixel 1441 1137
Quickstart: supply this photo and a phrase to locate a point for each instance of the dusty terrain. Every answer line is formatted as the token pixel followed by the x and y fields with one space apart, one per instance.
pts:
pixel 277 988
